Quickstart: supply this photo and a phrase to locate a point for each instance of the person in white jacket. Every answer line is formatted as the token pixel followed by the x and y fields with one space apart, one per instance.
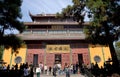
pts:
pixel 38 71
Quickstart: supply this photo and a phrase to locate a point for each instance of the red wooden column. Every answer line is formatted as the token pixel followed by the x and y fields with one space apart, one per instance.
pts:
pixel 50 59
pixel 65 59
pixel 29 58
pixel 40 58
pixel 74 58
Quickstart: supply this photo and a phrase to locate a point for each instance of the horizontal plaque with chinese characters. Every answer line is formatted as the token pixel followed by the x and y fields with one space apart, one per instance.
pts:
pixel 58 48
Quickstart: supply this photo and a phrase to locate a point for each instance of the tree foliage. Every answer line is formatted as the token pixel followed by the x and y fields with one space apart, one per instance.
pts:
pixel 117 49
pixel 104 21
pixel 1 51
pixel 10 13
pixel 104 16
pixel 117 44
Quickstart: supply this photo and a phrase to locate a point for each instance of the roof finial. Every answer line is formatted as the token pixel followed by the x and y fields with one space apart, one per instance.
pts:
pixel 43 14
pixel 30 13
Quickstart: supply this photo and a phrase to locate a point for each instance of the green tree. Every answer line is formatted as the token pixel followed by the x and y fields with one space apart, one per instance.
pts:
pixel 117 48
pixel 10 15
pixel 117 44
pixel 1 52
pixel 104 26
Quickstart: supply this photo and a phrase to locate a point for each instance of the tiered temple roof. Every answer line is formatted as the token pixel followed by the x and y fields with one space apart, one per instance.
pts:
pixel 36 32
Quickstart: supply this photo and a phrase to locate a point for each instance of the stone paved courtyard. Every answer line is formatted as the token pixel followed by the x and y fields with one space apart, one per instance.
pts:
pixel 72 75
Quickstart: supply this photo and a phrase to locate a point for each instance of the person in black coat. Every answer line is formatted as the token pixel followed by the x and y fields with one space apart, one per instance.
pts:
pixel 55 70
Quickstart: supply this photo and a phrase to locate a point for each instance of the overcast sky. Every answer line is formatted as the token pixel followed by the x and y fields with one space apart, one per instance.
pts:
pixel 42 6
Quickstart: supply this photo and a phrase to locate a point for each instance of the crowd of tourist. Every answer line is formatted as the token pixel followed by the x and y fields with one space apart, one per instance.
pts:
pixel 57 69
pixel 26 70
pixel 107 70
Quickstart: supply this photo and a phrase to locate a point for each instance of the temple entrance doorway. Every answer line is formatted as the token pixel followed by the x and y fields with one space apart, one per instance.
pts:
pixel 35 59
pixel 58 58
pixel 80 59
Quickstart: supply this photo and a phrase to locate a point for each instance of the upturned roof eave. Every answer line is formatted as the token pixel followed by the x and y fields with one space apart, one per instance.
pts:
pixel 55 39
pixel 41 16
pixel 51 37
pixel 54 23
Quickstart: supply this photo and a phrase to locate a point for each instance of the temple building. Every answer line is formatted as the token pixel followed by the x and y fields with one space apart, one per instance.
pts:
pixel 54 40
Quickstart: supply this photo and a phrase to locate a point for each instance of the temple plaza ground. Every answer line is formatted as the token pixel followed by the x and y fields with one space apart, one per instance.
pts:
pixel 72 75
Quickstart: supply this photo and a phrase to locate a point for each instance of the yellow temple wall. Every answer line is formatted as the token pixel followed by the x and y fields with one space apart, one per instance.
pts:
pixel 7 55
pixel 94 50
pixel 107 53
pixel 9 58
pixel 102 51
